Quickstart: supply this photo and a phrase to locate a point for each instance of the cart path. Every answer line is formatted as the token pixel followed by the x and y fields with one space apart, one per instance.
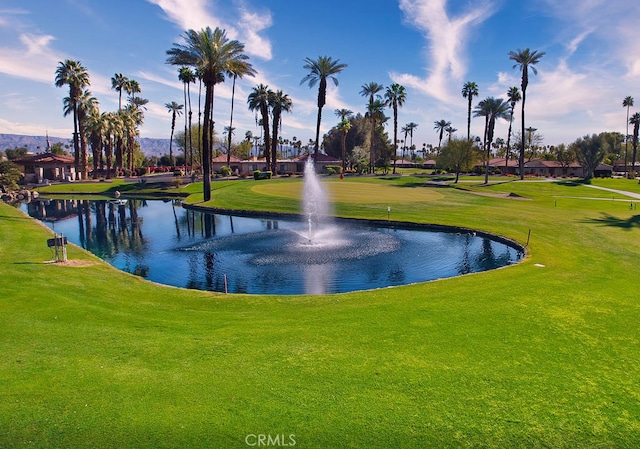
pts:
pixel 621 192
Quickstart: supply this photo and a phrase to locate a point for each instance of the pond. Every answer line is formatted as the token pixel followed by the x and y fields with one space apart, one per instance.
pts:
pixel 166 243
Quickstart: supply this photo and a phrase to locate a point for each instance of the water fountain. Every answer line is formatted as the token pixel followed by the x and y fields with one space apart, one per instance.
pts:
pixel 315 203
pixel 314 254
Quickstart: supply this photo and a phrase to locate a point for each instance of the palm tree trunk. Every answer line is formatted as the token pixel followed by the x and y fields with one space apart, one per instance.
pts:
pixel 506 159
pixel 317 145
pixel 190 133
pixel 469 118
pixel 233 92
pixel 521 160
pixel 206 144
pixel 76 146
pixel 395 138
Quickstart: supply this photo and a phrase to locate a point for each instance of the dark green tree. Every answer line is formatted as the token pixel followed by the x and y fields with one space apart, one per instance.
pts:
pixel 458 156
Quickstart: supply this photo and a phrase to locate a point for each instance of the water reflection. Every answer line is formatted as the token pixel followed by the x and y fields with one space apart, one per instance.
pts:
pixel 166 243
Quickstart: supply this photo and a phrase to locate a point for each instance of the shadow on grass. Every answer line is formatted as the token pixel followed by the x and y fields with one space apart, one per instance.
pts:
pixel 610 220
pixel 573 183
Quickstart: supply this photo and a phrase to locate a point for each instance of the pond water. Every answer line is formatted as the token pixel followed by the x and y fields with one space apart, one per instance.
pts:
pixel 166 243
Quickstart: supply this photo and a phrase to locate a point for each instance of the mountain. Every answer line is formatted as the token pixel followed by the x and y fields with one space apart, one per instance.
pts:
pixel 38 144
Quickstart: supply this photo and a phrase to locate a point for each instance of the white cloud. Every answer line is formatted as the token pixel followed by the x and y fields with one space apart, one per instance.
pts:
pixel 251 23
pixel 34 59
pixel 197 14
pixel 446 39
pixel 187 14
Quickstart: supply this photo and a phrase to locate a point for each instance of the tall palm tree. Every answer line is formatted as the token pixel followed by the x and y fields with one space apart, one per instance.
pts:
pixel 344 126
pixel 410 127
pixel 213 53
pixel 176 110
pixel 132 119
pixel 114 129
pixel 375 114
pixel 279 103
pixel 320 70
pixel 258 101
pixel 491 109
pixel 525 60
pixel 395 95
pixel 238 69
pixel 441 126
pixel 76 76
pixel 96 128
pixel 627 103
pixel 469 90
pixel 513 96
pixel 635 121
pixel 86 106
pixel 118 83
pixel 187 76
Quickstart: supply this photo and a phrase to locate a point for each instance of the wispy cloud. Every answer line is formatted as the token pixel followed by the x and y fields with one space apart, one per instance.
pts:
pixel 187 14
pixel 446 39
pixel 197 14
pixel 33 59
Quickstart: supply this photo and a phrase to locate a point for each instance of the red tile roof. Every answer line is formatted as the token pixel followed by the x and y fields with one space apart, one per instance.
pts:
pixel 45 158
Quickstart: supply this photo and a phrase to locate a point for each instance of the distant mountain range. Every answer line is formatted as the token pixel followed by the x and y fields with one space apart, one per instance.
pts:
pixel 38 144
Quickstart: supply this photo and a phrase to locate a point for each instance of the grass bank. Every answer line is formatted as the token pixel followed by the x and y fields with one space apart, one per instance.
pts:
pixel 541 354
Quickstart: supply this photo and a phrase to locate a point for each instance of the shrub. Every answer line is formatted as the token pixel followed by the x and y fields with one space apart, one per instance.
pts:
pixel 177 182
pixel 226 171
pixel 262 174
pixel 141 171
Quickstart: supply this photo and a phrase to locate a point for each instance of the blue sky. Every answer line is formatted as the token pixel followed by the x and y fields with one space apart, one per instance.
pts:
pixel 431 47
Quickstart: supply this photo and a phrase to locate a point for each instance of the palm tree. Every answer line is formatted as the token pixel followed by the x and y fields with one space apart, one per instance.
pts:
pixel 238 69
pixel 176 110
pixel 187 76
pixel 76 76
pixel 132 87
pixel 259 101
pixel 525 59
pixel 118 83
pixel 450 130
pixel 344 126
pixel 627 103
pixel 395 95
pixel 375 113
pixel 513 95
pixel 279 102
pixel 491 109
pixel 114 129
pixel 96 124
pixel 469 90
pixel 441 126
pixel 213 53
pixel 635 121
pixel 320 70
pixel 86 105
pixel 132 118
pixel 410 127
pixel 371 90
pixel 343 113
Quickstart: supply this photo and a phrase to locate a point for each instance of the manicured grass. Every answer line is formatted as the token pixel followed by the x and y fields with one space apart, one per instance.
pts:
pixel 541 354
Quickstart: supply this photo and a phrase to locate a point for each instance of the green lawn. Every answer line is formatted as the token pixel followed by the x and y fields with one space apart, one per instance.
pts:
pixel 541 354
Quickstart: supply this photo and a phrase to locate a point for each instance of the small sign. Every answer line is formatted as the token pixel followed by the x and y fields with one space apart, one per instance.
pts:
pixel 58 241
